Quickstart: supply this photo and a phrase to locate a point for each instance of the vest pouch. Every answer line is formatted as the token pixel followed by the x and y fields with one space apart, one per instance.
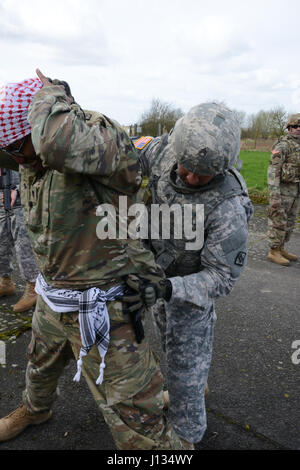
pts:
pixel 182 265
pixel 165 260
pixel 187 263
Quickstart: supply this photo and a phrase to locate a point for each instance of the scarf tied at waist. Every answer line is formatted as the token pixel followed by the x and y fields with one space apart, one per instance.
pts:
pixel 93 315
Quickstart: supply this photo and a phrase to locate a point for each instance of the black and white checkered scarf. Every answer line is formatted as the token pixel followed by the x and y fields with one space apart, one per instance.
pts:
pixel 93 315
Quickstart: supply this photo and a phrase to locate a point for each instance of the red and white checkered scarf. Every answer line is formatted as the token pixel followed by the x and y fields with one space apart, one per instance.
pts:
pixel 15 99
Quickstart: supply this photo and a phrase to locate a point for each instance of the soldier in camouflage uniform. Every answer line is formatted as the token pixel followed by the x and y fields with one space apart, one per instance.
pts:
pixel 13 234
pixel 72 160
pixel 284 193
pixel 194 164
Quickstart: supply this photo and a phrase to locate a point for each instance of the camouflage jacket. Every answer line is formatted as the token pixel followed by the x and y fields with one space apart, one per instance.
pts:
pixel 88 160
pixel 199 276
pixel 284 166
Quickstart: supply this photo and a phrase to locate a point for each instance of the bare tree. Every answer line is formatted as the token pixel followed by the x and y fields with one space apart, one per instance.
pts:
pixel 278 120
pixel 265 124
pixel 161 117
pixel 241 117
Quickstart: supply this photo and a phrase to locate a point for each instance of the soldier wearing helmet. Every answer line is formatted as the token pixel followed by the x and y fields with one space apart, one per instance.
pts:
pixel 283 182
pixel 195 165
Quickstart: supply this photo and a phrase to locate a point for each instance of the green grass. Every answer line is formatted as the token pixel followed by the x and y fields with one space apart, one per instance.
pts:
pixel 255 167
pixel 254 170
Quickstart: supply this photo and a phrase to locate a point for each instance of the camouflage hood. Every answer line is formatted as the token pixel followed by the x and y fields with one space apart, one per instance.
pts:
pixel 206 141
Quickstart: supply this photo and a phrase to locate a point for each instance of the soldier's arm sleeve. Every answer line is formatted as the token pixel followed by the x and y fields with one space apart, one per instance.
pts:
pixel 15 179
pixel 65 142
pixel 278 156
pixel 147 156
pixel 223 258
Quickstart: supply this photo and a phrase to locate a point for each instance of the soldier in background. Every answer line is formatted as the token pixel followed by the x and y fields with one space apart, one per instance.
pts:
pixel 284 193
pixel 13 235
pixel 194 164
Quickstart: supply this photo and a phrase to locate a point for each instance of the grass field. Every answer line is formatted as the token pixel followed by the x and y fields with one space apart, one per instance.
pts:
pixel 254 170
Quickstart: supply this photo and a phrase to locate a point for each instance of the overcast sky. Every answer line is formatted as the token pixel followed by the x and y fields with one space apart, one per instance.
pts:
pixel 118 55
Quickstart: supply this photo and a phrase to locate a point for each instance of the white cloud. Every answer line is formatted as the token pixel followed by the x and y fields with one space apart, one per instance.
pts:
pixel 118 55
pixel 211 38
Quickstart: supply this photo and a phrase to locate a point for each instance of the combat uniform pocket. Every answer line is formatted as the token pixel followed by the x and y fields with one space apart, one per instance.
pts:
pixel 37 202
pixel 165 259
pixel 289 173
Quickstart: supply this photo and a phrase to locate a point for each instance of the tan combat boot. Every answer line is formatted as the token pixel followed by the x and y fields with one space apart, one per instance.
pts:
pixel 288 255
pixel 276 257
pixel 28 299
pixel 14 423
pixel 7 286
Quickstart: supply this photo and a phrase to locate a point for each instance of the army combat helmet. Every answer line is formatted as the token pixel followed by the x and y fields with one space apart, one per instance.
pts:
pixel 293 120
pixel 206 141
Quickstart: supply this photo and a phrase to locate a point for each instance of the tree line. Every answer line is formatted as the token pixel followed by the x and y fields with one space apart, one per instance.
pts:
pixel 161 117
pixel 264 124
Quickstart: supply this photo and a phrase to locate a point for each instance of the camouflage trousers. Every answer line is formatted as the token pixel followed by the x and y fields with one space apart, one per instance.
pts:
pixel 186 336
pixel 130 397
pixel 16 237
pixel 282 215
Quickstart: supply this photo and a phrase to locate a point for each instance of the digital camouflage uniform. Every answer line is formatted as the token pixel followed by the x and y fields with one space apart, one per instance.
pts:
pixel 13 234
pixel 284 194
pixel 85 153
pixel 204 142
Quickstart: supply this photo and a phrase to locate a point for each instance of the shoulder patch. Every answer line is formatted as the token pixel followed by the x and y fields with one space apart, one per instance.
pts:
pixel 142 142
pixel 275 151
pixel 240 259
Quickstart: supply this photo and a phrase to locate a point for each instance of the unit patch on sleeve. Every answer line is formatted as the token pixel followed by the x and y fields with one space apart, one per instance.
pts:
pixel 240 259
pixel 142 142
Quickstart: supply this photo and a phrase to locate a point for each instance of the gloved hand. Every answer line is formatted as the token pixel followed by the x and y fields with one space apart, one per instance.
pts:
pixel 46 81
pixel 65 86
pixel 133 294
pixel 145 290
pixel 134 307
pixel 154 291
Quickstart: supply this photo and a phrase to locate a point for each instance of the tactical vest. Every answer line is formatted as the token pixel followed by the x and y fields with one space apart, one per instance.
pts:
pixel 171 254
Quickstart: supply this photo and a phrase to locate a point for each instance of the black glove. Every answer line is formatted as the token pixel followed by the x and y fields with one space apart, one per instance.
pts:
pixel 145 290
pixel 65 85
pixel 134 307
pixel 133 294
pixel 161 290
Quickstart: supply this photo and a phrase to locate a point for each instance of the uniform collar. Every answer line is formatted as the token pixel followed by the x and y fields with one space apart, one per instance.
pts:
pixel 181 187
